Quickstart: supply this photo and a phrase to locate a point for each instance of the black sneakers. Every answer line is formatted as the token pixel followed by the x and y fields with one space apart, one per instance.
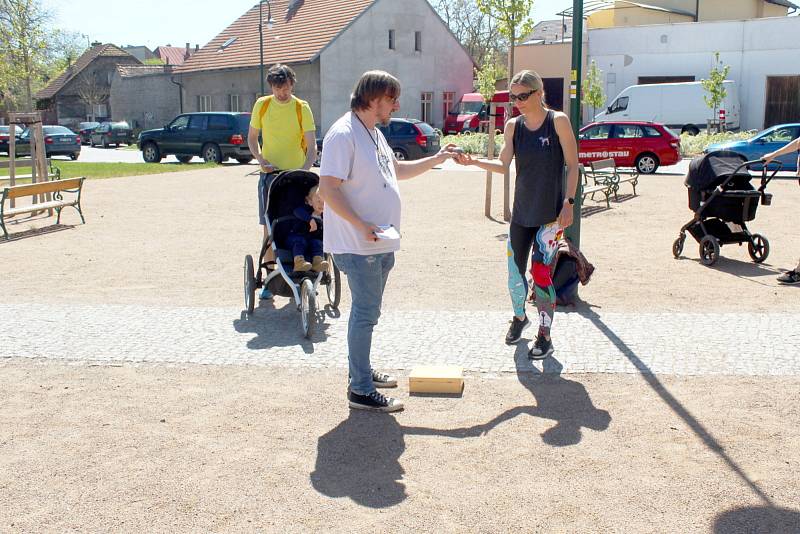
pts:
pixel 375 402
pixel 515 330
pixel 541 349
pixel 789 278
pixel 382 380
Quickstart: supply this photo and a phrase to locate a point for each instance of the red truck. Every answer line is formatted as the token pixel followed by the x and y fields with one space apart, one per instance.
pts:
pixel 471 109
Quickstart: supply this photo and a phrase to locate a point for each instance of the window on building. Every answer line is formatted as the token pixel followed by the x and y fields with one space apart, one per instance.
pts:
pixel 100 110
pixel 233 103
pixel 203 103
pixel 427 106
pixel 447 103
pixel 391 39
pixel 417 41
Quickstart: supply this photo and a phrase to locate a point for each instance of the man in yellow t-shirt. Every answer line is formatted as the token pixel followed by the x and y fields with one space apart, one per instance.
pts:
pixel 288 141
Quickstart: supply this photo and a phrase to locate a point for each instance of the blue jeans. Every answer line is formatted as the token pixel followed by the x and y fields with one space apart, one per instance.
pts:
pixel 366 276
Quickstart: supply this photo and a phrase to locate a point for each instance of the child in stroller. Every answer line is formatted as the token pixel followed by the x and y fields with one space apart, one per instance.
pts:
pixel 305 237
pixel 289 191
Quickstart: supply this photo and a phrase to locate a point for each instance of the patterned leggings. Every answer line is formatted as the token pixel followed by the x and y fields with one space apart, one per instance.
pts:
pixel 544 240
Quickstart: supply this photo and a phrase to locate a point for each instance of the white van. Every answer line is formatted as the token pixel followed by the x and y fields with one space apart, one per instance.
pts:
pixel 678 105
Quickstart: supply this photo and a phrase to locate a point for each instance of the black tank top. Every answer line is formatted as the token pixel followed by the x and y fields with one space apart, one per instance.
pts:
pixel 539 188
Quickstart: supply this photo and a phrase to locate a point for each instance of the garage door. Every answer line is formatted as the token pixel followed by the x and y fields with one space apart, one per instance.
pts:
pixel 783 100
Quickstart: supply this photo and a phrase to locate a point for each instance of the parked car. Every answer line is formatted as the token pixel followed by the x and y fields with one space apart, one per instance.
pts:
pixel 85 129
pixel 471 109
pixel 214 136
pixel 58 141
pixel 111 133
pixel 643 145
pixel 408 139
pixel 764 142
pixel 678 105
pixel 5 135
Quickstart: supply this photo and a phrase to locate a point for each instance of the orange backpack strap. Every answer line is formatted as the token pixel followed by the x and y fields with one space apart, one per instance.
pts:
pixel 298 108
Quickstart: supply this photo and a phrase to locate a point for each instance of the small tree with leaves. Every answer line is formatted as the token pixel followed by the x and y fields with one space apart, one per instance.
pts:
pixel 513 21
pixel 714 85
pixel 593 94
pixel 487 82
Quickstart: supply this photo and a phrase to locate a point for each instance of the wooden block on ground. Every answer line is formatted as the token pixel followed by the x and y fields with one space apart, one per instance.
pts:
pixel 436 379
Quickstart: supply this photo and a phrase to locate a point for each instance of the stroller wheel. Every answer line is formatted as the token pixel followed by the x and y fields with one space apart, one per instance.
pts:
pixel 308 307
pixel 709 250
pixel 334 287
pixel 677 247
pixel 758 247
pixel 249 285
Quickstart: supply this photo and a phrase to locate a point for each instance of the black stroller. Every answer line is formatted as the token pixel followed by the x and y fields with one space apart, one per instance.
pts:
pixel 288 190
pixel 723 201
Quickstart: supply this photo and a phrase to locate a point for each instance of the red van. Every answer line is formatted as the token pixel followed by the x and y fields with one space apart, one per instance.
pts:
pixel 471 109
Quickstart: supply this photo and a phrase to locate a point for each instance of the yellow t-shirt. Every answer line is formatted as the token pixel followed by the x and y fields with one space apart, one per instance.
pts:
pixel 280 131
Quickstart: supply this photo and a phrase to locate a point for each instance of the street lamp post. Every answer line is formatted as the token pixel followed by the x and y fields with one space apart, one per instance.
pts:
pixel 261 36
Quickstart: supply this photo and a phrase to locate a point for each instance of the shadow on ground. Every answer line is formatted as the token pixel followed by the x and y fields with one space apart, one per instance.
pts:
pixel 360 457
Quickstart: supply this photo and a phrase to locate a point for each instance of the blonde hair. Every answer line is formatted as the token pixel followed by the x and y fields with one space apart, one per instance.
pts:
pixel 531 80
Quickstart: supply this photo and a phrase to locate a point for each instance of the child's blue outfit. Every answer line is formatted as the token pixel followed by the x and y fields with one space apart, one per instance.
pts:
pixel 301 241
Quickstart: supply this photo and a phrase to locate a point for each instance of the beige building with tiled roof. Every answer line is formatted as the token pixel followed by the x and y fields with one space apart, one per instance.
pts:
pixel 81 92
pixel 330 43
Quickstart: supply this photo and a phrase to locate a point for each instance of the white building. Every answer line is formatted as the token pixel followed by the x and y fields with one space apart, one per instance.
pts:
pixel 764 56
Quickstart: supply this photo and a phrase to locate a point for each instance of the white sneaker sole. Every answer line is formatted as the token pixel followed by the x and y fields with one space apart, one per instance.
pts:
pixel 386 409
pixel 541 356
pixel 389 384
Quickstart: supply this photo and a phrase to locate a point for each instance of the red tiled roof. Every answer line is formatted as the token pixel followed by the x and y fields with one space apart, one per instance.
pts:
pixel 172 55
pixel 315 25
pixel 81 63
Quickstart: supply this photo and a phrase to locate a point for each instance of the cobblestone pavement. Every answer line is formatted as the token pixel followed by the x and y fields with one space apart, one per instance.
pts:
pixel 586 341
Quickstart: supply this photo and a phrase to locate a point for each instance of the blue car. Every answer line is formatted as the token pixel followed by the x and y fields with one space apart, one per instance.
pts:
pixel 764 142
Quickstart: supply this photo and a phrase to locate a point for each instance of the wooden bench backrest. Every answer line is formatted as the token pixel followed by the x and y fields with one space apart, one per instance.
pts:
pixel 24 163
pixel 43 187
pixel 603 164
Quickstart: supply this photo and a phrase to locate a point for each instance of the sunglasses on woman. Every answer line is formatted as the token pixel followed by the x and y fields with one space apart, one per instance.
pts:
pixel 522 97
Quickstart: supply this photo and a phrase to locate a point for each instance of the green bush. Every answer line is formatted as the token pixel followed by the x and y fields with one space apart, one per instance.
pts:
pixel 476 143
pixel 692 145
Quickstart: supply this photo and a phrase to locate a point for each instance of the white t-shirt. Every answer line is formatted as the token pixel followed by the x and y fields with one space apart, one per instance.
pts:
pixel 349 153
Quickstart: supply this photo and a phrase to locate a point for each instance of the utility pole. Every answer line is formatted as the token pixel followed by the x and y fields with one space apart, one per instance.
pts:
pixel 574 231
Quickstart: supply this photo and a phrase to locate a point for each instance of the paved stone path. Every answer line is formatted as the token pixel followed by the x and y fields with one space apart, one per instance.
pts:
pixel 662 343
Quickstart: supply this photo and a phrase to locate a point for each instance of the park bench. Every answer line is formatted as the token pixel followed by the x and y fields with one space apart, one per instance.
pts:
pixel 593 187
pixel 53 173
pixel 37 193
pixel 605 171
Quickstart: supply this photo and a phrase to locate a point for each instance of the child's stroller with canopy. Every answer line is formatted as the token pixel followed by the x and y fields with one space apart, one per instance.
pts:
pixel 723 201
pixel 287 191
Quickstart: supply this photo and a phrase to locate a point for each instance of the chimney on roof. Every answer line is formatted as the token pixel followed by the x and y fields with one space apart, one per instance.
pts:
pixel 188 51
pixel 197 48
pixel 96 43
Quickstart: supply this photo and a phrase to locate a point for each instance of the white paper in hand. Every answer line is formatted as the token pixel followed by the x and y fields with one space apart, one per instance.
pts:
pixel 387 231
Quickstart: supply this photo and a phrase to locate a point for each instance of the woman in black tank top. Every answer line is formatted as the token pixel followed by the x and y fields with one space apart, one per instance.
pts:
pixel 541 143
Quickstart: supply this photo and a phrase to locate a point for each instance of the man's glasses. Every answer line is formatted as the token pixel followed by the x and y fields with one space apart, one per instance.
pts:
pixel 522 97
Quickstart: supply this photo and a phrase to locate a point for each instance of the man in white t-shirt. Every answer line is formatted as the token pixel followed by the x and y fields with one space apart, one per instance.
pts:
pixel 358 180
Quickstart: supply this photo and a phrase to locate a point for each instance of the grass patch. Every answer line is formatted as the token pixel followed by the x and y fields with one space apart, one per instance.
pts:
pixel 75 169
pixel 70 169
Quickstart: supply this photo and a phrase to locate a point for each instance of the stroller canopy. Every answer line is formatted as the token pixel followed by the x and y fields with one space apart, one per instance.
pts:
pixel 709 171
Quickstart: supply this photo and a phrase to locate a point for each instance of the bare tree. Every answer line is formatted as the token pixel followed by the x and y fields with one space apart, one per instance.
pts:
pixel 93 89
pixel 477 31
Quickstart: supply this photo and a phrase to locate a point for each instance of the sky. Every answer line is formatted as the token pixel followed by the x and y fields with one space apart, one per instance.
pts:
pixel 156 23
